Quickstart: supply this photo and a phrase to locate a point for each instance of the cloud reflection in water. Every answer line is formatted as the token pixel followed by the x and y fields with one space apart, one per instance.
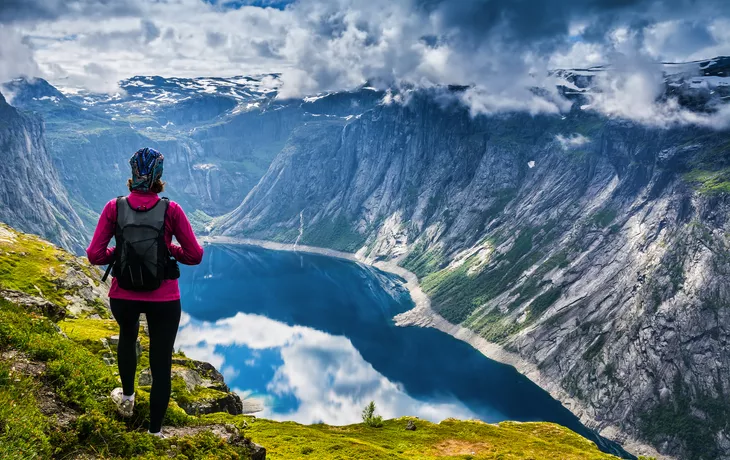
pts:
pixel 307 375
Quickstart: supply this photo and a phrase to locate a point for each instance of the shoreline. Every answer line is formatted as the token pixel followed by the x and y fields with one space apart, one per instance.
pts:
pixel 422 315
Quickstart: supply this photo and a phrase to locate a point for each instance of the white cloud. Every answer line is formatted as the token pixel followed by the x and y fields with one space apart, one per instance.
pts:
pixel 572 141
pixel 16 57
pixel 631 88
pixel 326 45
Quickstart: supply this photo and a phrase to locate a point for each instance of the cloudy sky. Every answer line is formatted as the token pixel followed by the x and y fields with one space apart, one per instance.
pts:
pixel 500 46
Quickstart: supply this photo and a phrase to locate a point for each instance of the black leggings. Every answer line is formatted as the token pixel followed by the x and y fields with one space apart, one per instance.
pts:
pixel 163 319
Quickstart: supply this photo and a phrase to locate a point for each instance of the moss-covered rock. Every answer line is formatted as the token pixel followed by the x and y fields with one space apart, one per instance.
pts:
pixel 37 268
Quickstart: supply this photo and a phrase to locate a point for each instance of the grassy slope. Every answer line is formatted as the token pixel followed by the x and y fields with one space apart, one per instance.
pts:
pixel 448 439
pixel 78 381
pixel 34 266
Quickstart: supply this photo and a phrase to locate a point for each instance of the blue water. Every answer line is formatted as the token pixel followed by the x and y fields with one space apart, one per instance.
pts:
pixel 313 337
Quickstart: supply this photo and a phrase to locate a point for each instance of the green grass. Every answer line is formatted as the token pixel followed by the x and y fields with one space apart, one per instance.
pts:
pixel 448 439
pixel 199 220
pixel 423 261
pixel 89 332
pixel 335 233
pixel 710 182
pixel 32 265
pixel 22 424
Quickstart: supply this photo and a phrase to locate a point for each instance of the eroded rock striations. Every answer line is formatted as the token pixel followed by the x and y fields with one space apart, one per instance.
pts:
pixel 32 198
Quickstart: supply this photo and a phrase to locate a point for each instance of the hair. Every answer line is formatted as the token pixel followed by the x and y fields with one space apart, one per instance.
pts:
pixel 157 187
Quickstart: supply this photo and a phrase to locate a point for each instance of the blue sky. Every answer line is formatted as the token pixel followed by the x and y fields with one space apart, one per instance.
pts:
pixel 236 4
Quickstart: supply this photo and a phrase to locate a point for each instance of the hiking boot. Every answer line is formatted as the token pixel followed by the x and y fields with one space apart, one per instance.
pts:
pixel 158 434
pixel 125 406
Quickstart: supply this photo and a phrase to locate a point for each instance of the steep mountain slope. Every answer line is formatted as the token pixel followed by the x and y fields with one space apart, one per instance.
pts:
pixel 595 249
pixel 31 196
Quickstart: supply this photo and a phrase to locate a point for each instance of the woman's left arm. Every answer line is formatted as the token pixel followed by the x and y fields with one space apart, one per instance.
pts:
pixel 189 252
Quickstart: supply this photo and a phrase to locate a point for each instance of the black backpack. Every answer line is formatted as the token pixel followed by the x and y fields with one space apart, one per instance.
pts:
pixel 141 259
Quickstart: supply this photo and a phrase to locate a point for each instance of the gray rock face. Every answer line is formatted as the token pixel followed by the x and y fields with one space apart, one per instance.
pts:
pixel 227 402
pixel 32 198
pixel 216 146
pixel 36 304
pixel 602 261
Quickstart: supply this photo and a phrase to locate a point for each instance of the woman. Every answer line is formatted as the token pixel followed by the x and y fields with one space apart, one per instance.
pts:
pixel 159 301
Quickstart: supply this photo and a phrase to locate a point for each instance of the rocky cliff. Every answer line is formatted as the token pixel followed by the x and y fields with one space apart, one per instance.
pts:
pixel 593 248
pixel 32 197
pixel 218 135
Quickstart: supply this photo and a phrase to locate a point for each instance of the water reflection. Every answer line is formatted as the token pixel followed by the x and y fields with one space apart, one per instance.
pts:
pixel 304 374
pixel 314 336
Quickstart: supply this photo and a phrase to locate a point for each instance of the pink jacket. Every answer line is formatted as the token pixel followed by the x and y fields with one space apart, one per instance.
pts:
pixel 188 252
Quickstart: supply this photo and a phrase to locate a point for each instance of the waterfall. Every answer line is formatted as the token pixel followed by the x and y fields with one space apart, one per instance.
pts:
pixel 301 228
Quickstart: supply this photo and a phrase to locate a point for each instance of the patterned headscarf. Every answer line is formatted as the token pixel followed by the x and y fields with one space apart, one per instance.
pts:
pixel 146 168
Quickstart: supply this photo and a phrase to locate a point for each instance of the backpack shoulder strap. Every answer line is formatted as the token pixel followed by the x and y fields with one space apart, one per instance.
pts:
pixel 123 211
pixel 121 201
pixel 166 204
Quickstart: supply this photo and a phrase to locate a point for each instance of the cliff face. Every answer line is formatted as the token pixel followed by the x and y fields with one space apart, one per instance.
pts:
pixel 594 249
pixel 32 198
pixel 218 137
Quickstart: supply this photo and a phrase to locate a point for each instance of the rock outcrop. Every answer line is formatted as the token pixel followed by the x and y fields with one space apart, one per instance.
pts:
pixel 202 389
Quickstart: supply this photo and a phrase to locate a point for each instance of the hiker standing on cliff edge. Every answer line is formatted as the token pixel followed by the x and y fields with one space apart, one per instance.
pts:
pixel 145 271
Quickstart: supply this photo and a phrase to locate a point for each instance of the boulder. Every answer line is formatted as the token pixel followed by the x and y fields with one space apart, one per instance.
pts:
pixel 108 359
pixel 206 371
pixel 35 304
pixel 191 377
pixel 411 425
pixel 199 376
pixel 227 402
pixel 256 451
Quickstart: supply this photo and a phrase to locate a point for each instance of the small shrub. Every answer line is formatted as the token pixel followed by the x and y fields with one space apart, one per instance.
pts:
pixel 369 417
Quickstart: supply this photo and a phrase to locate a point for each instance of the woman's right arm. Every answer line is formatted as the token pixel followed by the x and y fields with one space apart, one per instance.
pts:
pixel 98 251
